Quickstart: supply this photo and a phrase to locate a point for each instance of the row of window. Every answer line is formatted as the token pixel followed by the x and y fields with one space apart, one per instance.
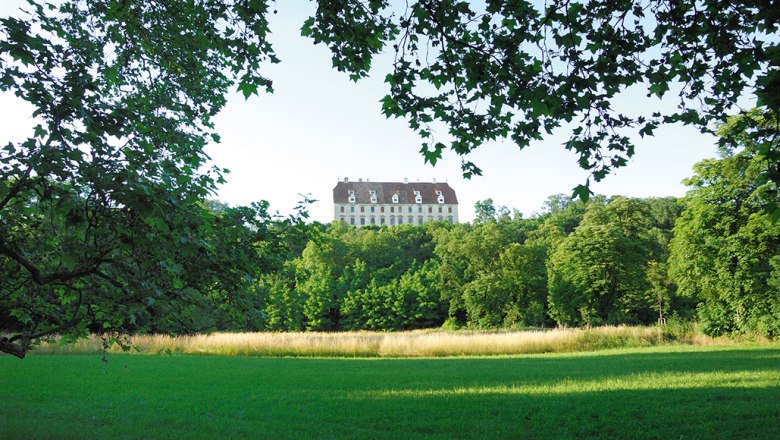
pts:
pixel 392 209
pixel 393 220
pixel 417 196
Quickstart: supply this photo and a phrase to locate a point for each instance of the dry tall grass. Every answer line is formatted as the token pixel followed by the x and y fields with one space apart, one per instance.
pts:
pixel 376 344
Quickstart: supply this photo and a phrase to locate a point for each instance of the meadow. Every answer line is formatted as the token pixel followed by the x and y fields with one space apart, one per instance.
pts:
pixel 419 343
pixel 669 391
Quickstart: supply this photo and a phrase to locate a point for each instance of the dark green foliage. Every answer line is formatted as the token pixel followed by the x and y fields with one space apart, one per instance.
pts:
pixel 102 225
pixel 353 279
pixel 601 262
pixel 598 273
pixel 726 244
pixel 521 69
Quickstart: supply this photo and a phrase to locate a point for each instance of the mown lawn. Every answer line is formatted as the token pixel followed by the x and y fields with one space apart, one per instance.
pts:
pixel 659 392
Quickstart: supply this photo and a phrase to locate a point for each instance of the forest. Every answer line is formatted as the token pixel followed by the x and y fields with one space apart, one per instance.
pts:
pixel 711 257
pixel 107 223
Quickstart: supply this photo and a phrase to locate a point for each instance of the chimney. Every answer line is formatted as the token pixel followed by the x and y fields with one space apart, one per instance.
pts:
pixel 406 180
pixel 434 180
pixel 360 179
pixel 346 180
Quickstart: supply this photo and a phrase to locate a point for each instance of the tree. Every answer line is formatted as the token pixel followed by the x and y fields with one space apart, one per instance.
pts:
pixel 726 245
pixel 125 92
pixel 597 274
pixel 100 207
pixel 484 211
pixel 520 69
pixel 512 291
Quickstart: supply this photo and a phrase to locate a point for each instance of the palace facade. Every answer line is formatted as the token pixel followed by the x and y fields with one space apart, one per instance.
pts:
pixel 365 203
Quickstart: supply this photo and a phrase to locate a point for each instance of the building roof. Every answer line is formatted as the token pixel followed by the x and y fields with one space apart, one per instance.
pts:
pixel 385 191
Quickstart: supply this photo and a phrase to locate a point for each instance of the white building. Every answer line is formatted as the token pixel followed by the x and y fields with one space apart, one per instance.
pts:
pixel 393 203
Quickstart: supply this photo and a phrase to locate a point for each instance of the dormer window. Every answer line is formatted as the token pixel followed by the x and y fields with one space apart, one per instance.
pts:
pixel 351 196
pixel 373 196
pixel 417 197
pixel 395 198
pixel 440 197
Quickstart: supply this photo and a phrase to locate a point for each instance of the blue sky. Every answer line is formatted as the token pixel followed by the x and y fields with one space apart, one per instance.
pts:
pixel 319 127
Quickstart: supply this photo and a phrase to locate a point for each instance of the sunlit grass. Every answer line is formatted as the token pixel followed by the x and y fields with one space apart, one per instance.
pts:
pixel 631 382
pixel 668 391
pixel 383 344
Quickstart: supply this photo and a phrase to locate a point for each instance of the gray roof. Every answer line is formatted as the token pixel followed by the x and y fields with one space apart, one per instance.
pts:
pixel 385 191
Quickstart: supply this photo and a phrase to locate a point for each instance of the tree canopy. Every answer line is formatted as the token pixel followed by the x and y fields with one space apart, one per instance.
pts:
pixel 103 214
pixel 101 207
pixel 520 69
pixel 726 248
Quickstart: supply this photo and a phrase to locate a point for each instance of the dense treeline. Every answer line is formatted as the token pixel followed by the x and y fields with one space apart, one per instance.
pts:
pixel 608 261
pixel 712 256
pixel 576 264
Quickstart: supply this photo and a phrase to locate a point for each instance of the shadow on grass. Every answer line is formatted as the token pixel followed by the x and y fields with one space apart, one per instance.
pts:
pixel 699 393
pixel 717 394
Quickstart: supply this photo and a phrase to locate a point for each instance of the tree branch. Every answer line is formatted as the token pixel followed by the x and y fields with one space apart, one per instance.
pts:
pixel 20 350
pixel 35 272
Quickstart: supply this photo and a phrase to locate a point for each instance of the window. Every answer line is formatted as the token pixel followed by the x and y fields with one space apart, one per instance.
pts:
pixel 449 209
pixel 392 220
pixel 408 209
pixel 351 196
pixel 373 196
pixel 449 218
pixel 381 220
pixel 440 218
pixel 372 209
pixel 439 209
pixel 342 209
pixel 395 198
pixel 352 220
pixel 341 218
pixel 373 220
pixel 440 197
pixel 419 209
pixel 362 221
pixel 392 209
pixel 411 220
pixel 351 209
pixel 400 220
pixel 362 209
pixel 419 219
pixel 417 197
pixel 430 209
pixel 381 209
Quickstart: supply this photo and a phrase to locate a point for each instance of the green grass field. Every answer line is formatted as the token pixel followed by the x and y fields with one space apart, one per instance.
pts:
pixel 657 392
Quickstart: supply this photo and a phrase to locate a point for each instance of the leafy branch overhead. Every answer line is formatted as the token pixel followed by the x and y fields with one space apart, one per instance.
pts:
pixel 104 219
pixel 521 69
pixel 102 216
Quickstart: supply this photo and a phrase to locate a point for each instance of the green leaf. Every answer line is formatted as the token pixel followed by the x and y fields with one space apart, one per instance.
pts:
pixel 582 192
pixel 247 89
pixel 307 28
